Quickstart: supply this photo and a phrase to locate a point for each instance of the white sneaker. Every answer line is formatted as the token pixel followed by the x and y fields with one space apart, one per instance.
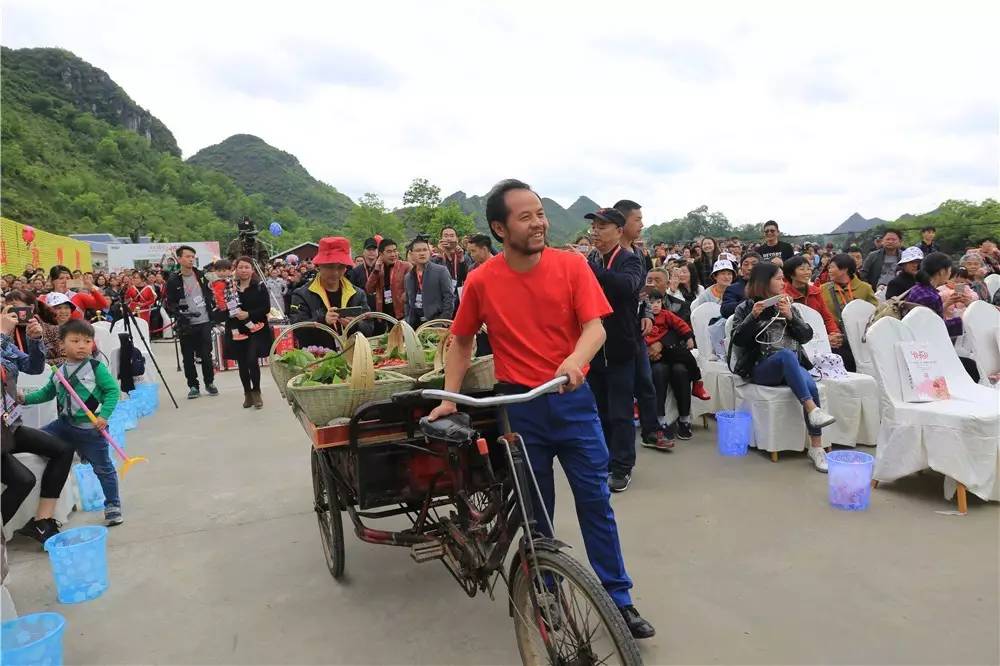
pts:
pixel 818 456
pixel 820 419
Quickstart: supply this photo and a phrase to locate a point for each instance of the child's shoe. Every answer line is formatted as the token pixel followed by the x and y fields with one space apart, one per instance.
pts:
pixel 237 336
pixel 113 516
pixel 255 326
pixel 698 390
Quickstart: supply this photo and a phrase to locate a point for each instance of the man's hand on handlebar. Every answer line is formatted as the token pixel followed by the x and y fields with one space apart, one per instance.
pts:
pixel 446 408
pixel 573 371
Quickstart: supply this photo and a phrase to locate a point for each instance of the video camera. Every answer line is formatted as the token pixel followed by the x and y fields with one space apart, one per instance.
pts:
pixel 246 227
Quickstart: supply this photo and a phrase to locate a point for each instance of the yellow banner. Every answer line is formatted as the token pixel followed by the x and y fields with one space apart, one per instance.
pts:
pixel 45 251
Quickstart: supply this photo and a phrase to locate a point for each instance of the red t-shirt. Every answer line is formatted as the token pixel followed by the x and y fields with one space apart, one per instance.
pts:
pixel 534 318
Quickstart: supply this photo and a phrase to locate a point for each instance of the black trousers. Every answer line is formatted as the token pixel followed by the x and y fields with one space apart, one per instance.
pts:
pixel 19 479
pixel 196 340
pixel 970 367
pixel 249 366
pixel 845 353
pixel 677 368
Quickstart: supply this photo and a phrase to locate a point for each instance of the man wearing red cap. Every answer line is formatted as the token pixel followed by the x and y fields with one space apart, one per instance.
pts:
pixel 321 299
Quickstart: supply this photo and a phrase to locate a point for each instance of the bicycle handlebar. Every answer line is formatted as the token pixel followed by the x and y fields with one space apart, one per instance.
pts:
pixel 495 401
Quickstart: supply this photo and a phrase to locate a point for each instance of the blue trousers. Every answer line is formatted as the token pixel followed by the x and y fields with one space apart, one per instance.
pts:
pixel 645 391
pixel 91 447
pixel 782 367
pixel 614 386
pixel 566 426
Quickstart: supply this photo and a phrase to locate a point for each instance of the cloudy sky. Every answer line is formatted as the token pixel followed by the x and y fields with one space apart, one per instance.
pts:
pixel 758 109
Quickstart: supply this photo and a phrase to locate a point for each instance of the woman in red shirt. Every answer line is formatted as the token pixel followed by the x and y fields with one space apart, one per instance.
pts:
pixel 91 299
pixel 797 272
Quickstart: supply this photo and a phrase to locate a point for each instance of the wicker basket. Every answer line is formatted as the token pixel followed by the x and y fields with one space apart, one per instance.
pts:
pixel 480 376
pixel 280 371
pixel 402 337
pixel 322 404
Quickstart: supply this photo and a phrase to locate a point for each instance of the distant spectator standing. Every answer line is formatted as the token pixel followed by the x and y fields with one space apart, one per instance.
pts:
pixel 880 265
pixel 927 244
pixel 773 246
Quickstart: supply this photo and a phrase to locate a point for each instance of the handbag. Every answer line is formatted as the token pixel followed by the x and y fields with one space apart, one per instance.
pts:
pixel 894 307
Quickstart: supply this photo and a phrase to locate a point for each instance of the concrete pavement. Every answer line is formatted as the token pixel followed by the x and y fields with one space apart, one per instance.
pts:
pixel 736 561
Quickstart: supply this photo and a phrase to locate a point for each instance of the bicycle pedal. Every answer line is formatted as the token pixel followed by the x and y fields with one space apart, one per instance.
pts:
pixel 427 551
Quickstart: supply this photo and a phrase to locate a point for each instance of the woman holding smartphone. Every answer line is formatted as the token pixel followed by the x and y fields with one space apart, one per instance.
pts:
pixel 770 334
pixel 248 334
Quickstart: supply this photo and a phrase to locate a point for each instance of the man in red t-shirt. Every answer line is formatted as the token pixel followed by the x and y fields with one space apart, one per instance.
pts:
pixel 543 309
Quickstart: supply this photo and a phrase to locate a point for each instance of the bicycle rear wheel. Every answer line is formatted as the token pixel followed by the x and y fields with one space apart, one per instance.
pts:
pixel 562 615
pixel 331 524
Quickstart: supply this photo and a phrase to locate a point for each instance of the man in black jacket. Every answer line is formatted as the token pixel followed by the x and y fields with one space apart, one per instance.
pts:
pixel 612 376
pixel 321 299
pixel 191 303
pixel 359 274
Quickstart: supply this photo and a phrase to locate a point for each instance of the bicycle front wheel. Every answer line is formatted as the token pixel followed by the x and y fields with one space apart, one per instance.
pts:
pixel 562 615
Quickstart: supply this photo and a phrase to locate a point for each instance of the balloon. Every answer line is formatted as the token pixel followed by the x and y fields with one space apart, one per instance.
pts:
pixel 378 238
pixel 28 234
pixel 275 229
pixel 292 259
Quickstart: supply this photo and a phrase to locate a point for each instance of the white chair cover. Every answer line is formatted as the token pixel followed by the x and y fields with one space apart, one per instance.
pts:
pixel 168 332
pixel 108 344
pixel 142 324
pixel 959 438
pixel 853 401
pixel 106 325
pixel 927 326
pixel 777 416
pixel 992 283
pixel 25 512
pixel 719 381
pixel 981 322
pixel 36 416
pixel 856 315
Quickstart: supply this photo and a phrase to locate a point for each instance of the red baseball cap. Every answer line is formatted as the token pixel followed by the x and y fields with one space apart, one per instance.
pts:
pixel 334 250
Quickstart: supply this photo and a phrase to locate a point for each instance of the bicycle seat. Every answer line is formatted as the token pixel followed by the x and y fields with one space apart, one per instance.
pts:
pixel 454 428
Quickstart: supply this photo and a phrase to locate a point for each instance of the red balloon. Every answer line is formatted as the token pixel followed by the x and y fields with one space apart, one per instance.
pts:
pixel 378 238
pixel 28 234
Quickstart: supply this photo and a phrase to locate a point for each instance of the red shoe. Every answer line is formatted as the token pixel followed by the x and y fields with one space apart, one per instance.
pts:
pixel 698 391
pixel 255 326
pixel 662 443
pixel 237 336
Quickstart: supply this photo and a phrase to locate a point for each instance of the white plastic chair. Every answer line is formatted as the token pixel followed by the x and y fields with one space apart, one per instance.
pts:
pixel 992 283
pixel 853 401
pixel 958 437
pixel 981 322
pixel 778 423
pixel 856 315
pixel 719 381
pixel 36 416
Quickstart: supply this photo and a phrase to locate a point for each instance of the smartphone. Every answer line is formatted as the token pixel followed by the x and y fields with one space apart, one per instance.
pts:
pixel 768 302
pixel 349 312
pixel 74 284
pixel 23 313
pixel 961 288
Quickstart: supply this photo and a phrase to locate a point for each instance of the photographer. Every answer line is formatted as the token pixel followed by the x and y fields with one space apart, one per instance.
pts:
pixel 192 305
pixel 246 244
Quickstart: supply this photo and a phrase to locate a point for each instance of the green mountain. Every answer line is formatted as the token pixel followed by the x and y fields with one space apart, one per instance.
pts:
pixel 258 167
pixel 565 224
pixel 78 155
pixel 42 78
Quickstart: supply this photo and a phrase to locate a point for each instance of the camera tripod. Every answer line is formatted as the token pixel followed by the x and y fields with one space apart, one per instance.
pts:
pixel 129 319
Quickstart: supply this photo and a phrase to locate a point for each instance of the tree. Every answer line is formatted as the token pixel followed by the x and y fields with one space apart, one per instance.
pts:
pixel 450 216
pixel 698 222
pixel 369 218
pixel 419 202
pixel 107 151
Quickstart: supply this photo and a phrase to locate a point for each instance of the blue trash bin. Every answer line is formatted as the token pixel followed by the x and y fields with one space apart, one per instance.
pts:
pixel 79 563
pixel 32 639
pixel 849 479
pixel 735 432
pixel 91 495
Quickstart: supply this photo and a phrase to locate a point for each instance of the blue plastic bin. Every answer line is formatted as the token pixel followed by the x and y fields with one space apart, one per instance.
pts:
pixel 735 432
pixel 79 563
pixel 129 413
pixel 91 495
pixel 33 639
pixel 850 479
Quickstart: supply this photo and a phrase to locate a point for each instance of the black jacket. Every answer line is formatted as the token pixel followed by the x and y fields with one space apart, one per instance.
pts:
pixel 175 293
pixel 359 278
pixel 256 302
pixel 621 282
pixel 746 329
pixel 308 305
pixel 899 284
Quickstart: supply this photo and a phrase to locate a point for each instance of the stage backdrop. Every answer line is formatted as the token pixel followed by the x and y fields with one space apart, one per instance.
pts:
pixel 45 251
pixel 141 255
